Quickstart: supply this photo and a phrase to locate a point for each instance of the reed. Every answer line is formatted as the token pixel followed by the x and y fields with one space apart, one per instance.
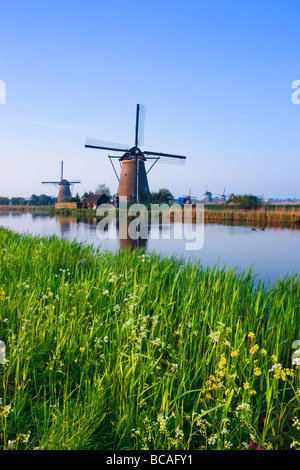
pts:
pixel 267 214
pixel 136 351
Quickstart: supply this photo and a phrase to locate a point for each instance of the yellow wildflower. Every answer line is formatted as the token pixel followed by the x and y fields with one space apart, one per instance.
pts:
pixel 2 293
pixel 254 349
pixel 257 371
pixel 222 362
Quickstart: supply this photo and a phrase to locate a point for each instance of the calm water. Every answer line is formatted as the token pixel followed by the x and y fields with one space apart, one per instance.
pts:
pixel 272 252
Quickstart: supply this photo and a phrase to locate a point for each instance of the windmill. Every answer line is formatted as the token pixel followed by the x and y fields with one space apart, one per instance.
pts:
pixel 133 181
pixel 223 196
pixel 207 195
pixel 188 199
pixel 63 185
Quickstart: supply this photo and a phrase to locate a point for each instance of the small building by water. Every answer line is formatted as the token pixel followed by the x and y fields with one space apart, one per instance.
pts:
pixel 94 200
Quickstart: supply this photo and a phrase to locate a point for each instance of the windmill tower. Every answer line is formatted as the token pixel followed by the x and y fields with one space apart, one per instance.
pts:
pixel 133 181
pixel 207 196
pixel 223 196
pixel 63 185
pixel 189 199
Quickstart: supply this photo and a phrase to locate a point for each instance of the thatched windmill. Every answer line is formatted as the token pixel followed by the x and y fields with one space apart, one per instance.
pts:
pixel 63 185
pixel 133 181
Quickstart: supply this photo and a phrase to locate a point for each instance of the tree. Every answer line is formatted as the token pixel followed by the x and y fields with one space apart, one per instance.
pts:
pixel 42 200
pixel 103 189
pixel 86 194
pixel 246 201
pixel 18 201
pixel 163 196
pixel 4 201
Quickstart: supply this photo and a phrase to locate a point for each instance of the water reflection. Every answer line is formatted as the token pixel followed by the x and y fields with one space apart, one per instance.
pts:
pixel 129 243
pixel 272 251
pixel 65 223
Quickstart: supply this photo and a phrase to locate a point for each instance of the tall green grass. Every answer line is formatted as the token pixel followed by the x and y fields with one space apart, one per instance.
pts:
pixel 130 351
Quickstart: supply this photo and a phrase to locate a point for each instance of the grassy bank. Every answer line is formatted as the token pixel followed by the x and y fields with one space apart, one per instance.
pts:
pixel 130 351
pixel 267 214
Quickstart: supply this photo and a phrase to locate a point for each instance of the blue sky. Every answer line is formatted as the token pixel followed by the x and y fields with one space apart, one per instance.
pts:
pixel 216 78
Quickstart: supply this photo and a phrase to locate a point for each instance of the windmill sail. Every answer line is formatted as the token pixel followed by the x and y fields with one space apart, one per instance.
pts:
pixel 133 182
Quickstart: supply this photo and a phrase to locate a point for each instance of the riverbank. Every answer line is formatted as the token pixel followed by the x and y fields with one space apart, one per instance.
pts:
pixel 135 351
pixel 267 214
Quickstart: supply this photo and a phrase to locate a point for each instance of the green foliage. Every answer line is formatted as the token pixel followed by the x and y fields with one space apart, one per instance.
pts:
pixel 102 188
pixel 86 194
pixel 4 201
pixel 135 351
pixel 246 201
pixel 163 196
pixel 18 201
pixel 42 200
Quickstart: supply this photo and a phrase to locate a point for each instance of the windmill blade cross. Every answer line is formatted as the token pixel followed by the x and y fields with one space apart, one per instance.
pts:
pixel 169 155
pixel 50 182
pixel 140 124
pixel 103 145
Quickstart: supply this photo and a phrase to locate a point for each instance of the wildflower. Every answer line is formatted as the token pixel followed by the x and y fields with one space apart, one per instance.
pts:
pixel 225 431
pixel 162 421
pixel 106 292
pixel 212 440
pixel 254 349
pixel 228 444
pixel 128 323
pixel 251 335
pixel 257 371
pixel 5 410
pixel 179 432
pixel 158 342
pixel 296 423
pixel 275 366
pixel 296 358
pixel 245 407
pixel 215 336
pixel 26 437
pixel 222 362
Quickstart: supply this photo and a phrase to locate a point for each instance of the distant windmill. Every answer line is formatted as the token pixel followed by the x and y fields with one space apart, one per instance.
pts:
pixel 63 185
pixel 133 181
pixel 208 196
pixel 188 199
pixel 223 196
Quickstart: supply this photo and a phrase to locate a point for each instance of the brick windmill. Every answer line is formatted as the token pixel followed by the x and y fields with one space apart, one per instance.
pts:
pixel 133 181
pixel 63 185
